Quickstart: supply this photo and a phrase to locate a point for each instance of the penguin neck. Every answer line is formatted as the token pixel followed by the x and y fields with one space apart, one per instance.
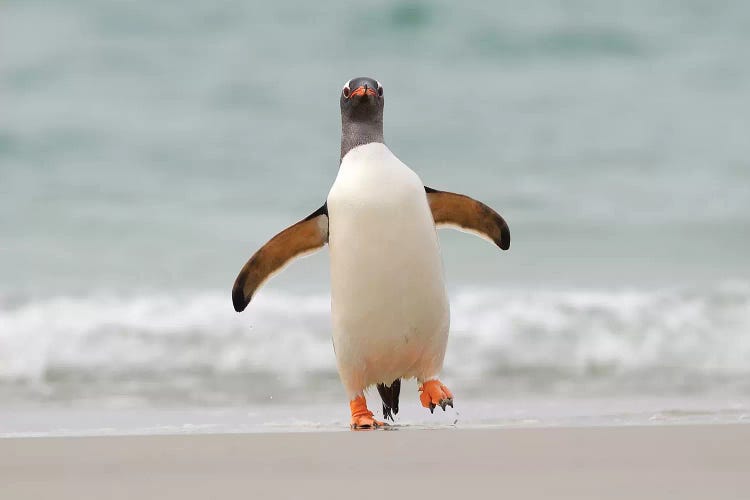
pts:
pixel 355 133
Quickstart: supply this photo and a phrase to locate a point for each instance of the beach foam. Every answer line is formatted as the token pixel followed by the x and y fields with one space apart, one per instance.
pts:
pixel 193 346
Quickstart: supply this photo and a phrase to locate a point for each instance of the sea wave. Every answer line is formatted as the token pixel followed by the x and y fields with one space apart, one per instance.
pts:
pixel 193 345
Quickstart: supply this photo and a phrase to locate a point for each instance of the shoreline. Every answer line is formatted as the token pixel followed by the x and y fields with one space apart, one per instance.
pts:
pixel 96 418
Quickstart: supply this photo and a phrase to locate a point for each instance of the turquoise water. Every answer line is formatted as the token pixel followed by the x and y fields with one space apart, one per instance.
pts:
pixel 148 148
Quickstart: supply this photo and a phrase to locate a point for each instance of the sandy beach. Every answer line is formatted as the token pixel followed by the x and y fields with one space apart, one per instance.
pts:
pixel 685 462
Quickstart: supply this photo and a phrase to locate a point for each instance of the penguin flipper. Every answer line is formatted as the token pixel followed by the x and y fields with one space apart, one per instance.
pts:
pixel 462 212
pixel 304 237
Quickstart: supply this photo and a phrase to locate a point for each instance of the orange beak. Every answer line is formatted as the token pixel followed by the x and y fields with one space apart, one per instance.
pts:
pixel 363 90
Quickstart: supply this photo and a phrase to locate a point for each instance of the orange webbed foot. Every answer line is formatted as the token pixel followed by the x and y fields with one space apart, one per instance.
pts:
pixel 433 393
pixel 362 418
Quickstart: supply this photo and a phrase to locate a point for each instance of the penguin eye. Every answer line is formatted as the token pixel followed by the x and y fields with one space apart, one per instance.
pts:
pixel 347 92
pixel 380 91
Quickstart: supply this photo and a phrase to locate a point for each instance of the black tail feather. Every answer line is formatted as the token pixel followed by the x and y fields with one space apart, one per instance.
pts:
pixel 389 395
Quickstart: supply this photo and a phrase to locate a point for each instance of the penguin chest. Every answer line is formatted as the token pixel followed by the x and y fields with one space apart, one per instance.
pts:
pixel 389 303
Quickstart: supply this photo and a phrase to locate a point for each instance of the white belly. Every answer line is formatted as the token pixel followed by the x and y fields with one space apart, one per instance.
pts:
pixel 389 304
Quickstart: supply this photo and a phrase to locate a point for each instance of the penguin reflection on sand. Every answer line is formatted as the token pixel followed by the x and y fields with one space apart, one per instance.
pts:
pixel 388 298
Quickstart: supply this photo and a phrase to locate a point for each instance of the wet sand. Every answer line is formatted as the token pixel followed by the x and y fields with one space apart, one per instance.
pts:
pixel 659 462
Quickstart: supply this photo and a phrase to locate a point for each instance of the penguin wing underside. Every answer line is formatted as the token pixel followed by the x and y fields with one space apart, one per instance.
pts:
pixel 302 238
pixel 468 214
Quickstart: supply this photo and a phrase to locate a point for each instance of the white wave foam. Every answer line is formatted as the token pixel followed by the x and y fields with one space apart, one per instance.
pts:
pixel 584 331
pixel 160 333
pixel 286 336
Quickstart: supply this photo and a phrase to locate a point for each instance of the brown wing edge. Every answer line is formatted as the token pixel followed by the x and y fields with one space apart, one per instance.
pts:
pixel 468 213
pixel 303 237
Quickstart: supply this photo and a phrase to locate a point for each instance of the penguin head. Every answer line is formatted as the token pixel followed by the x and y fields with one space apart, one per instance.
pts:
pixel 362 100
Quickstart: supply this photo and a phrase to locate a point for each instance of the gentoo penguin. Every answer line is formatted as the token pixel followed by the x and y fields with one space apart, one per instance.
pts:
pixel 388 298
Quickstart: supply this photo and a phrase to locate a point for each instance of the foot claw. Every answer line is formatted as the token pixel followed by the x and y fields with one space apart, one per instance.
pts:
pixel 365 426
pixel 434 393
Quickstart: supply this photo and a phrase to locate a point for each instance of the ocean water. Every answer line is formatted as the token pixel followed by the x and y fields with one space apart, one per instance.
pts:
pixel 147 149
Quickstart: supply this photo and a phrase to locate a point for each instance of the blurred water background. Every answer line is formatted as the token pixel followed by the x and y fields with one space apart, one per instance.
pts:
pixel 148 148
